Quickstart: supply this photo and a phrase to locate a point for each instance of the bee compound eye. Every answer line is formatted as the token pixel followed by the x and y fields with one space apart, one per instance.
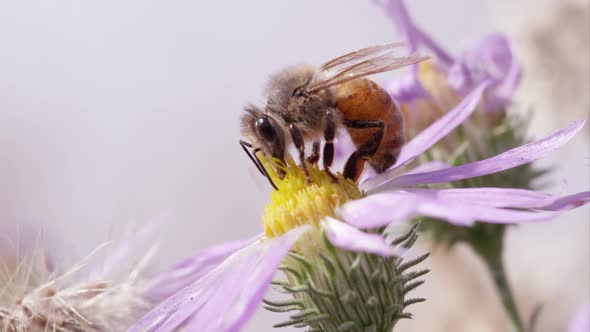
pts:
pixel 265 128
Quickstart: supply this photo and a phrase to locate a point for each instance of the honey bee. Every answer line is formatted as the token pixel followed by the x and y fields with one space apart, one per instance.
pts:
pixel 306 104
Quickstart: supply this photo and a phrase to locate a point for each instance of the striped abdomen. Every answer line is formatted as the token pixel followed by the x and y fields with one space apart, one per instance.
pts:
pixel 363 99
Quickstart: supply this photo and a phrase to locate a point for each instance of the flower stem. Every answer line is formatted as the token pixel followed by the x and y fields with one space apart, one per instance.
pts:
pixel 501 282
pixel 491 251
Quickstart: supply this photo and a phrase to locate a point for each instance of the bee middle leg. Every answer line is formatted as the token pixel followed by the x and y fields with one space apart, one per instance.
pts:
pixel 329 135
pixel 356 162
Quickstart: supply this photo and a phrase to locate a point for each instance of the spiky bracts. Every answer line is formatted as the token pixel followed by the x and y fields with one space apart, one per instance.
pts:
pixel 339 290
pixel 506 134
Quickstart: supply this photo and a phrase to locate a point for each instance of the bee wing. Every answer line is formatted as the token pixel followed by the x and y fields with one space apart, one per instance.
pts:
pixel 371 60
pixel 358 55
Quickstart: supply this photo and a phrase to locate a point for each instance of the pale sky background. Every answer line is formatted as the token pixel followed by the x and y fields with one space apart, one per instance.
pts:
pixel 112 111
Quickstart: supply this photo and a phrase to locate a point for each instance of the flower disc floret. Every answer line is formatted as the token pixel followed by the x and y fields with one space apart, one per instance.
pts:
pixel 301 199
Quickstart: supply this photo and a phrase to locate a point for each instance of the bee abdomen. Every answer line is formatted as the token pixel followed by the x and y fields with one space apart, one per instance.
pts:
pixel 363 99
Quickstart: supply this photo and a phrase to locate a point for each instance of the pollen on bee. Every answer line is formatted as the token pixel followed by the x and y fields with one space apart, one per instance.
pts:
pixel 300 199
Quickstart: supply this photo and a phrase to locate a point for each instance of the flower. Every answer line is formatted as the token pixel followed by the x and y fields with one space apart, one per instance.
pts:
pixel 433 87
pixel 396 198
pixel 230 280
pixel 233 285
pixel 490 65
pixel 39 293
pixel 481 211
pixel 491 60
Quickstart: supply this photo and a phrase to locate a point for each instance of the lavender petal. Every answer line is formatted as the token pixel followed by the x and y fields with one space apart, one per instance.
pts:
pixel 429 166
pixel 226 297
pixel 568 202
pixel 430 136
pixel 407 88
pixel 379 209
pixel 503 93
pixel 350 238
pixel 493 197
pixel 491 59
pixel 401 19
pixel 442 56
pixel 193 268
pixel 462 214
pixel 512 158
pixel 461 206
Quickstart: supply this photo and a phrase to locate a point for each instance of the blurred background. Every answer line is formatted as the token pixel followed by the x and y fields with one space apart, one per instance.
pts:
pixel 128 111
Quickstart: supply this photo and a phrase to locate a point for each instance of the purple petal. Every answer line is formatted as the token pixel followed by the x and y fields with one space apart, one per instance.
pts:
pixel 491 60
pixel 429 167
pixel 193 268
pixel 226 297
pixel 401 19
pixel 407 88
pixel 347 237
pixel 568 202
pixel 484 204
pixel 462 214
pixel 493 197
pixel 379 209
pixel 512 158
pixel 443 57
pixel 461 206
pixel 440 128
pixel 431 135
pixel 460 77
pixel 504 92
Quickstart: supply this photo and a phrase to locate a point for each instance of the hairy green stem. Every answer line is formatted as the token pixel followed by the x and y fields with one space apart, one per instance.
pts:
pixel 491 251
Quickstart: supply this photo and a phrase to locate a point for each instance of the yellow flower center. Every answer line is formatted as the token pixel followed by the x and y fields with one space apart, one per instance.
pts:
pixel 300 199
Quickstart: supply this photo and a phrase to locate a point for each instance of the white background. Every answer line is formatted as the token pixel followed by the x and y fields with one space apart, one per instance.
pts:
pixel 112 111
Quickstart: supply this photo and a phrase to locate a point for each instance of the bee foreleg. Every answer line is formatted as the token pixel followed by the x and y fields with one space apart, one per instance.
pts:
pixel 245 145
pixel 315 153
pixel 355 163
pixel 300 146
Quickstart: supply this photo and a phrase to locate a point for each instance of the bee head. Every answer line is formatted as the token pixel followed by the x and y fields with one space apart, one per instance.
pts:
pixel 264 132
